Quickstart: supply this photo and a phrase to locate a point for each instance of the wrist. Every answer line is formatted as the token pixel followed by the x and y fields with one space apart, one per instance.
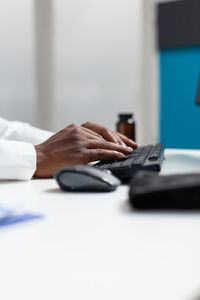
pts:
pixel 39 161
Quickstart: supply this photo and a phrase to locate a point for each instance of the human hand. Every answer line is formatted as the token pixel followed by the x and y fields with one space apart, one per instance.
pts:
pixel 78 145
pixel 111 136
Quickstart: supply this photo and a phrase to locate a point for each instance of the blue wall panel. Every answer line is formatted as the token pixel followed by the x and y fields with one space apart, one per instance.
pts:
pixel 180 117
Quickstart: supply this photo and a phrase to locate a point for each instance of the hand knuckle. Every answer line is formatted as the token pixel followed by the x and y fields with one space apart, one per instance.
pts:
pixel 72 125
pixel 77 131
pixel 100 152
pixel 87 123
pixel 104 144
pixel 77 138
pixel 104 130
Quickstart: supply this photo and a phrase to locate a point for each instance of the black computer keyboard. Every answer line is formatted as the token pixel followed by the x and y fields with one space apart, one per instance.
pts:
pixel 143 158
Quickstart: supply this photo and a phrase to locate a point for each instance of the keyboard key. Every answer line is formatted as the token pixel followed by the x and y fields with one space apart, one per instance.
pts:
pixel 148 158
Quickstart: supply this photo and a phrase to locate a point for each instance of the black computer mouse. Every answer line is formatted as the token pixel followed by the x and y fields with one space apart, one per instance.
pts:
pixel 86 178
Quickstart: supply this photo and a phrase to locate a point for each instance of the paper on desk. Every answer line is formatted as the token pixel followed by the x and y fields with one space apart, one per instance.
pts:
pixel 179 161
pixel 9 217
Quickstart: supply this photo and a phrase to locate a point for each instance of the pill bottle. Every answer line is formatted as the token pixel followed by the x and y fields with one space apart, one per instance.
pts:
pixel 126 125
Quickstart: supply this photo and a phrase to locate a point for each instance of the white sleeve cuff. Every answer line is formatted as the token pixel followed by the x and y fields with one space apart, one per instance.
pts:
pixel 23 132
pixel 17 160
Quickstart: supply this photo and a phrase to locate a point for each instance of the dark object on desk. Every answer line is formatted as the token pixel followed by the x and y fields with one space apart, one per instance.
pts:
pixel 126 126
pixel 151 191
pixel 198 94
pixel 86 178
pixel 143 158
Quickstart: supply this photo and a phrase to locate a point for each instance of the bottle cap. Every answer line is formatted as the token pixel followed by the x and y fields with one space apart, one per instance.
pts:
pixel 125 117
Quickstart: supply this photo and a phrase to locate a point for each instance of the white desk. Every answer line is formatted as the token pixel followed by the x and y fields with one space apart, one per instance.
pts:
pixel 93 247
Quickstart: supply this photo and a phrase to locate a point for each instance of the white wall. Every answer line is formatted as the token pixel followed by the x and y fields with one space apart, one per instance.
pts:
pixel 16 60
pixel 104 63
pixel 150 107
pixel 97 59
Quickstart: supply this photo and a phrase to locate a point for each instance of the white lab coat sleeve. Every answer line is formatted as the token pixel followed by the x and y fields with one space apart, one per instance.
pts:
pixel 17 160
pixel 19 131
pixel 17 153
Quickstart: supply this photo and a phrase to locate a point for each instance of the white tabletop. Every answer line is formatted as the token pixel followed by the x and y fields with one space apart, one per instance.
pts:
pixel 93 246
